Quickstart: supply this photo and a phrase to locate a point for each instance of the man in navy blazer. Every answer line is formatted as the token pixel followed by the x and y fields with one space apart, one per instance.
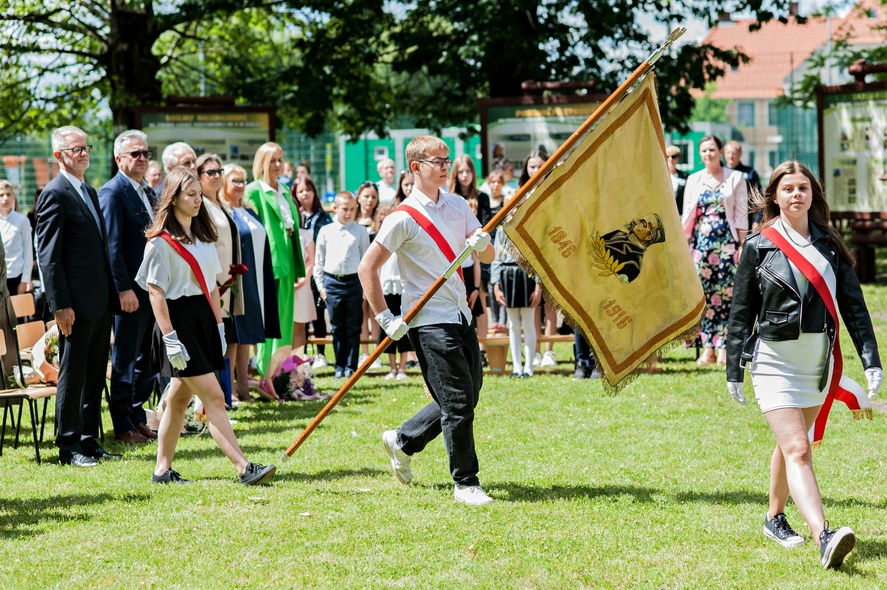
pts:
pixel 73 255
pixel 127 204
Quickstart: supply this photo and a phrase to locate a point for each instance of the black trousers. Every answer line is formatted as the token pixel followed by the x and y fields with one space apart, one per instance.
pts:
pixel 450 361
pixel 132 379
pixel 344 301
pixel 83 362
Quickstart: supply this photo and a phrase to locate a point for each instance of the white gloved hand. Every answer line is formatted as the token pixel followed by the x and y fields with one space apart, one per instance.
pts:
pixel 874 377
pixel 735 390
pixel 175 351
pixel 395 327
pixel 479 240
pixel 222 336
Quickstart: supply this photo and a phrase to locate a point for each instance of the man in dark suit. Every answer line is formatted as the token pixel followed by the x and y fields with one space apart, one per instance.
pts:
pixel 73 255
pixel 733 158
pixel 678 177
pixel 127 204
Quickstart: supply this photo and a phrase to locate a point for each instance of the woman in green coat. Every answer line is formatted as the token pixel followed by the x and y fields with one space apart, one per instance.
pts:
pixel 281 220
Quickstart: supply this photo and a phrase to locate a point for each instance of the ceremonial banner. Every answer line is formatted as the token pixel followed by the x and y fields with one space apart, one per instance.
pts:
pixel 602 232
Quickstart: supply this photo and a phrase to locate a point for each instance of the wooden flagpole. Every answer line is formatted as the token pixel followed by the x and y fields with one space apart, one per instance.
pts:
pixel 512 203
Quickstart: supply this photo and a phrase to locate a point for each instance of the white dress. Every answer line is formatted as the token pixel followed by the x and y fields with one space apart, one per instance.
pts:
pixel 304 310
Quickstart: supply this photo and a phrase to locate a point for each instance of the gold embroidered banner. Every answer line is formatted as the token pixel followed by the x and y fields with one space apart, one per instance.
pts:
pixel 603 233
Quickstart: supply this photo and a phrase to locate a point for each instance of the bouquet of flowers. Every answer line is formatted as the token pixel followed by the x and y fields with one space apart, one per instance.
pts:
pixel 292 380
pixel 45 356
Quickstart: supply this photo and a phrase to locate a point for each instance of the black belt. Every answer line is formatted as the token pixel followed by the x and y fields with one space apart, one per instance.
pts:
pixel 341 277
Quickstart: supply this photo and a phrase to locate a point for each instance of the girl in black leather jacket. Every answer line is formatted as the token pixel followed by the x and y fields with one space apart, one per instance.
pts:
pixel 780 325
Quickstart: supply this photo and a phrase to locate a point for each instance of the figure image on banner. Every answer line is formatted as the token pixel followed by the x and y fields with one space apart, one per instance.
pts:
pixel 620 252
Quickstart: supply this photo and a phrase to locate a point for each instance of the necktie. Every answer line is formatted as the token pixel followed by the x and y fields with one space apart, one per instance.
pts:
pixel 91 207
pixel 147 199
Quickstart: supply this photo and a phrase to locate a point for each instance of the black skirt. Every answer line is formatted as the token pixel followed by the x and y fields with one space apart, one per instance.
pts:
pixel 516 285
pixel 470 287
pixel 193 320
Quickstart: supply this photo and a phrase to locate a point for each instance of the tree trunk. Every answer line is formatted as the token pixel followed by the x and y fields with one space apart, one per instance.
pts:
pixel 131 66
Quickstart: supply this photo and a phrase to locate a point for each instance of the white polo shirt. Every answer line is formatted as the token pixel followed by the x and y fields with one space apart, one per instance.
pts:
pixel 420 259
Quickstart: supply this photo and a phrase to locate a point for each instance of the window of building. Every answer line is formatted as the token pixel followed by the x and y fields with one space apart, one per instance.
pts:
pixel 772 114
pixel 772 159
pixel 745 114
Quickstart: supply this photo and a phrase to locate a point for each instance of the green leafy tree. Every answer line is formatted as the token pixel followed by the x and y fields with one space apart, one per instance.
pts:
pixel 64 60
pixel 349 65
pixel 709 110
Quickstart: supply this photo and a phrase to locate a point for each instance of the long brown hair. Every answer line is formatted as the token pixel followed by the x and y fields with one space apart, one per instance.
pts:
pixel 295 191
pixel 455 187
pixel 202 227
pixel 819 213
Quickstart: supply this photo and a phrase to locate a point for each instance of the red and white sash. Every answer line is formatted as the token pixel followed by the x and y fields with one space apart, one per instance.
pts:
pixel 435 234
pixel 192 262
pixel 819 272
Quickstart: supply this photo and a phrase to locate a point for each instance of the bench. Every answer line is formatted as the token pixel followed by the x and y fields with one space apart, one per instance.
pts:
pixel 496 346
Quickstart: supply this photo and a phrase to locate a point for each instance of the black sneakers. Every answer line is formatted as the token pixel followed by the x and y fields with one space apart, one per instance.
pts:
pixel 170 476
pixel 256 473
pixel 778 529
pixel 835 545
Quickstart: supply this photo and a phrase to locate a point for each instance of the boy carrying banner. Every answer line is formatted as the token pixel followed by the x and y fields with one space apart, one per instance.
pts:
pixel 427 232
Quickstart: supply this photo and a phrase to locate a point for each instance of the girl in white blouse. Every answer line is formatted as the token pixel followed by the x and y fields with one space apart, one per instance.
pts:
pixel 15 230
pixel 189 316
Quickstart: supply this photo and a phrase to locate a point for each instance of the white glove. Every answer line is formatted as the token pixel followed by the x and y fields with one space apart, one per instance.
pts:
pixel 735 390
pixel 874 377
pixel 175 351
pixel 479 240
pixel 395 327
pixel 222 336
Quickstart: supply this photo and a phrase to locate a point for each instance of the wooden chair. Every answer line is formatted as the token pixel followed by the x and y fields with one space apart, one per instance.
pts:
pixel 27 336
pixel 13 397
pixel 23 305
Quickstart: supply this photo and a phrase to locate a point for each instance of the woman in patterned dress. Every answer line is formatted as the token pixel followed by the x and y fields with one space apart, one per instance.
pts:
pixel 715 222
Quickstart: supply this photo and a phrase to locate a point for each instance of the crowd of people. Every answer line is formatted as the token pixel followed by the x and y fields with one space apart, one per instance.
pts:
pixel 191 257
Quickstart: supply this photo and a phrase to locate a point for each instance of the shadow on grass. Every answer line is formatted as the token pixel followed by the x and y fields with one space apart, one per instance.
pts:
pixel 866 550
pixel 283 474
pixel 19 518
pixel 287 473
pixel 516 492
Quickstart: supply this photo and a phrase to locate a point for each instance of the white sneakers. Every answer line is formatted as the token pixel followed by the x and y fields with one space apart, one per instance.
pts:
pixel 537 360
pixel 400 464
pixel 319 362
pixel 471 495
pixel 400 461
pixel 548 359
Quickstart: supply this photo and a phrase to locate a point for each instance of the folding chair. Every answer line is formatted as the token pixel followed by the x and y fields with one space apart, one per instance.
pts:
pixel 11 397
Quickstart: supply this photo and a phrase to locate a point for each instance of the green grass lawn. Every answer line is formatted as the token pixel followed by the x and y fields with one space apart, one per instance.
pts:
pixel 661 486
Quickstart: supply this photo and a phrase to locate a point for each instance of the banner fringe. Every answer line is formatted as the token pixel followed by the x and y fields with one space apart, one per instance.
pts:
pixel 863 414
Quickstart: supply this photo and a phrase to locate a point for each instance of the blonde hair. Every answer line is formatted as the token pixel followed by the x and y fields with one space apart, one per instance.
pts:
pixel 262 161
pixel 423 145
pixel 223 196
pixel 7 184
